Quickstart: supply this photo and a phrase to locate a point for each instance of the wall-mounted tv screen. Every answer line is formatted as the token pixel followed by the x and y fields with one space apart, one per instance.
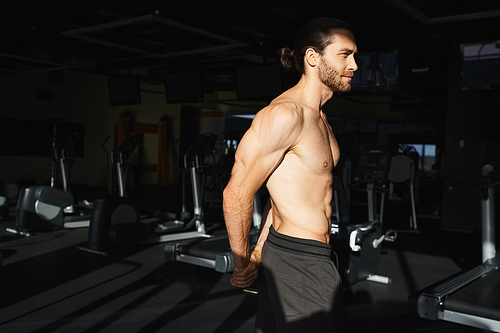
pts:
pixel 184 87
pixel 124 90
pixel 259 82
pixel 377 72
pixel 481 65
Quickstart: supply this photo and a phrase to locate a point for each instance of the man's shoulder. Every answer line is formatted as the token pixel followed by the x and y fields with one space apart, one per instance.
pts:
pixel 280 111
pixel 284 106
pixel 280 116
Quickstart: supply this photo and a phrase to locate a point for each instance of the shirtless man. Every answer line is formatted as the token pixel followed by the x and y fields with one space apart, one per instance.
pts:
pixel 290 147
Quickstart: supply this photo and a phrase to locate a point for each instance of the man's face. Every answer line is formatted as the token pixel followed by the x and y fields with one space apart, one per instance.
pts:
pixel 337 63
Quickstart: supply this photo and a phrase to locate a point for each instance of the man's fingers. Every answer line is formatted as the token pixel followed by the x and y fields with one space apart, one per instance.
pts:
pixel 242 281
pixel 242 284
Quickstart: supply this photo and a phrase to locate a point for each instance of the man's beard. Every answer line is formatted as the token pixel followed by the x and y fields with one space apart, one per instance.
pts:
pixel 331 78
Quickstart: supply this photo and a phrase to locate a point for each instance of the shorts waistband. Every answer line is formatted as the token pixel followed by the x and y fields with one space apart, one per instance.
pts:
pixel 299 245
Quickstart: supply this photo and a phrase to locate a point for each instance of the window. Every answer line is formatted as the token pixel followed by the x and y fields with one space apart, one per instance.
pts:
pixel 426 154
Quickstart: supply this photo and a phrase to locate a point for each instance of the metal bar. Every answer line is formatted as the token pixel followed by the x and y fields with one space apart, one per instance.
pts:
pixel 469 320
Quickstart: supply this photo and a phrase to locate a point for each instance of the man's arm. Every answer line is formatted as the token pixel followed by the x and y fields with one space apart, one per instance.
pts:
pixel 249 274
pixel 274 131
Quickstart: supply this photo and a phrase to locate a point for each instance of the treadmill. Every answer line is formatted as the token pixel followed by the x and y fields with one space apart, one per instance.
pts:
pixel 213 252
pixel 472 297
pixel 358 259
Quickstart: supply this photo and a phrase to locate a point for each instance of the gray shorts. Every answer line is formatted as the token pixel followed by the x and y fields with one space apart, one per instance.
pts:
pixel 300 289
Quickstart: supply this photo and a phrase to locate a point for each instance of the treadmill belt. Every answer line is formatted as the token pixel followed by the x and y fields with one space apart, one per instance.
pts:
pixel 480 298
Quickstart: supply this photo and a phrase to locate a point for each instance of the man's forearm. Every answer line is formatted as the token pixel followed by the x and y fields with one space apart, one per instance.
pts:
pixel 238 214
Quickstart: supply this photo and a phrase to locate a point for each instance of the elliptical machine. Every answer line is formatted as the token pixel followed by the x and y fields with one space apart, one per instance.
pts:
pixel 41 207
pixel 116 220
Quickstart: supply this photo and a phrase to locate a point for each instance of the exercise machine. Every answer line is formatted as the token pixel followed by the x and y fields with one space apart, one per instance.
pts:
pixel 357 246
pixel 63 156
pixel 116 220
pixel 45 208
pixel 40 208
pixel 471 298
pixel 370 176
pixel 120 161
pixel 215 252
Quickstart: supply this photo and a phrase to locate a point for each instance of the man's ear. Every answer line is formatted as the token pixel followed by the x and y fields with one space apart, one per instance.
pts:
pixel 311 57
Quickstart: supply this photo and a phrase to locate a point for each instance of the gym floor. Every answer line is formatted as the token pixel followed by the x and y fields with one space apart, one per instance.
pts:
pixel 48 285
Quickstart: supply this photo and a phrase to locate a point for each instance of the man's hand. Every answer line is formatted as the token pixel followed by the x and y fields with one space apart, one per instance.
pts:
pixel 245 276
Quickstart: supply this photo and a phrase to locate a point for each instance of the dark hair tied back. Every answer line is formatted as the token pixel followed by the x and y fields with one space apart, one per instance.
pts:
pixel 287 59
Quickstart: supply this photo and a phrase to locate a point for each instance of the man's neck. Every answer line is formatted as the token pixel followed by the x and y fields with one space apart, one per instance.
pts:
pixel 313 93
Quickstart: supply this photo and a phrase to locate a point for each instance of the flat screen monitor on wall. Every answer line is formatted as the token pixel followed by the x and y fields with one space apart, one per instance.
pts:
pixel 481 65
pixel 124 90
pixel 184 87
pixel 377 72
pixel 259 82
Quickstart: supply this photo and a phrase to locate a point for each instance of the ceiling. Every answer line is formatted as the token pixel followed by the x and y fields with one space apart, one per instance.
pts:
pixel 111 36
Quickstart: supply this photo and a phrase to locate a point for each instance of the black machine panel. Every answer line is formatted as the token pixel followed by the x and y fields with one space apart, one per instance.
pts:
pixel 372 167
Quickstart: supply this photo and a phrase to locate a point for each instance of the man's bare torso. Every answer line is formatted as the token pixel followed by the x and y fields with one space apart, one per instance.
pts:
pixel 301 186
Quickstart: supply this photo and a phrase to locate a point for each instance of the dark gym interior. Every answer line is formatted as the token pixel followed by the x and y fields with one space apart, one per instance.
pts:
pixel 131 111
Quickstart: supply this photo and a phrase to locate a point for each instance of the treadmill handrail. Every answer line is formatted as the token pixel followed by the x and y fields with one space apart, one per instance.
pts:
pixel 458 281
